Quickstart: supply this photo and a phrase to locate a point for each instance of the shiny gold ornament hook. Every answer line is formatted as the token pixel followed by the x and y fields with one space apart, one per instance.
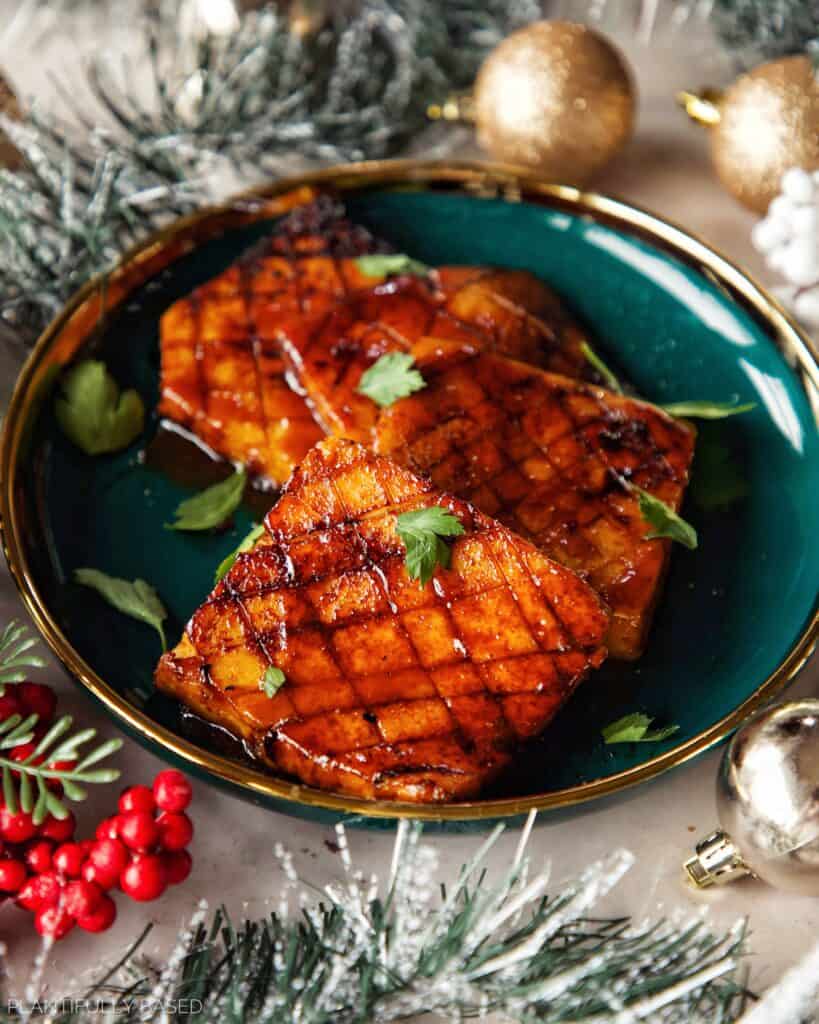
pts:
pixel 459 108
pixel 702 107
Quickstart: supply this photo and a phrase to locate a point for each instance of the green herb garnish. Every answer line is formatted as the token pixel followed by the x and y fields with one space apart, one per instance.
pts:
pixel 135 598
pixel 421 532
pixel 664 520
pixel 389 378
pixel 707 410
pixel 635 729
pixel 609 377
pixel 224 567
pixel 391 263
pixel 272 680
pixel 211 507
pixel 93 413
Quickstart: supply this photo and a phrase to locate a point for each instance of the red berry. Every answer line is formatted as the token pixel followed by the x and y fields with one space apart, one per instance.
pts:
pixel 53 921
pixel 41 891
pixel 175 830
pixel 38 699
pixel 145 877
pixel 172 791
pixel 109 856
pixel 102 918
pixel 81 898
pixel 137 798
pixel 24 751
pixel 68 859
pixel 38 856
pixel 104 879
pixel 16 828
pixel 9 704
pixel 87 845
pixel 12 875
pixel 178 864
pixel 58 829
pixel 138 830
pixel 108 828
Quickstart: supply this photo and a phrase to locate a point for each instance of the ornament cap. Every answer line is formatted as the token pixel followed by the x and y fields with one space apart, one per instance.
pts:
pixel 458 107
pixel 716 860
pixel 702 107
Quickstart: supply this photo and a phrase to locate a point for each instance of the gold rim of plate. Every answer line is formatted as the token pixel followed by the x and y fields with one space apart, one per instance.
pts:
pixel 85 312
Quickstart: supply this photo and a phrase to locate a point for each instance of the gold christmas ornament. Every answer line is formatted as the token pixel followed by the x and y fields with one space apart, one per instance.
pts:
pixel 556 97
pixel 766 122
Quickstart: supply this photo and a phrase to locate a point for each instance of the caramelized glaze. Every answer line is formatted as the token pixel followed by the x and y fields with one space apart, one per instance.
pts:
pixel 552 459
pixel 392 690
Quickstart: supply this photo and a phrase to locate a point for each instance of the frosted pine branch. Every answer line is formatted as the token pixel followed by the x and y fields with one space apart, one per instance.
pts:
pixel 150 139
pixel 371 952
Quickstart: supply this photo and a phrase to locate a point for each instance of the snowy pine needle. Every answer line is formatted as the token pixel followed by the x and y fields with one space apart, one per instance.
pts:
pixel 244 104
pixel 370 952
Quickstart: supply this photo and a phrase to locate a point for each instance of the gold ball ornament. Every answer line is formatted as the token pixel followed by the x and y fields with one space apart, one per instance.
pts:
pixel 765 123
pixel 556 97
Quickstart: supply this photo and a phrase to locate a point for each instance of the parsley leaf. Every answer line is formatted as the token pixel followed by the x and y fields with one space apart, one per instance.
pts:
pixel 389 378
pixel 135 598
pixel 609 377
pixel 707 410
pixel 664 520
pixel 210 507
pixel 224 567
pixel 93 413
pixel 717 479
pixel 391 263
pixel 421 531
pixel 272 680
pixel 635 729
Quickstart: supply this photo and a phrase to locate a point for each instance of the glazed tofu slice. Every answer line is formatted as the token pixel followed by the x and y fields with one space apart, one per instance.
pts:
pixel 391 689
pixel 222 376
pixel 551 458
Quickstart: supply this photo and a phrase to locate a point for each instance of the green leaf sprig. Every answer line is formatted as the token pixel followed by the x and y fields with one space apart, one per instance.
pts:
pixel 609 376
pixel 634 728
pixel 664 521
pixel 391 377
pixel 272 680
pixel 47 762
pixel 131 597
pixel 93 413
pixel 704 410
pixel 224 567
pixel 422 532
pixel 211 507
pixel 16 656
pixel 391 263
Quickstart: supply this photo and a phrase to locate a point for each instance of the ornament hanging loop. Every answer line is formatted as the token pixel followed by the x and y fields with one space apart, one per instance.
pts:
pixel 716 861
pixel 703 106
pixel 459 107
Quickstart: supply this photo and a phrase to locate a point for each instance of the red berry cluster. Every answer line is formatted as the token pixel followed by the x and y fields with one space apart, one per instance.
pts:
pixel 65 882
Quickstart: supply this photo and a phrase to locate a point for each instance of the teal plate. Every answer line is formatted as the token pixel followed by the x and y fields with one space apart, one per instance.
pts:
pixel 738 615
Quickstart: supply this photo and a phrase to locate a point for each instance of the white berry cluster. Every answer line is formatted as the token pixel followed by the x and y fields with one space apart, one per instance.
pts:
pixel 788 236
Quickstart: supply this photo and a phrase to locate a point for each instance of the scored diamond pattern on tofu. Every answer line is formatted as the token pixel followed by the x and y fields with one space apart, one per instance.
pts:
pixel 392 690
pixel 222 372
pixel 548 456
pixel 506 311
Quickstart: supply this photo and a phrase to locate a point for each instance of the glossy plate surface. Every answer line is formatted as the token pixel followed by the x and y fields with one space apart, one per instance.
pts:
pixel 738 616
